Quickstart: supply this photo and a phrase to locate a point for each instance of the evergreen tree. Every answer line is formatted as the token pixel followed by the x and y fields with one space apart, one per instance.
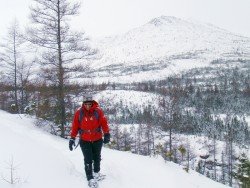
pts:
pixel 242 173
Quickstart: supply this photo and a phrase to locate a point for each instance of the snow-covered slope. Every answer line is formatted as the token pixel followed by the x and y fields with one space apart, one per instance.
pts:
pixel 44 161
pixel 164 46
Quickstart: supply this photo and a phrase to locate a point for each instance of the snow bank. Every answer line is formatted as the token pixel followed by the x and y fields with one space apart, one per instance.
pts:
pixel 44 161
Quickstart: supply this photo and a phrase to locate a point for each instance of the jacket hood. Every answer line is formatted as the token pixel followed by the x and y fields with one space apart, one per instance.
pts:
pixel 93 107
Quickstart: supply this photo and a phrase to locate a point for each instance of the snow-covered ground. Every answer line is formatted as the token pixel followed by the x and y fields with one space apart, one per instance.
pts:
pixel 128 98
pixel 44 161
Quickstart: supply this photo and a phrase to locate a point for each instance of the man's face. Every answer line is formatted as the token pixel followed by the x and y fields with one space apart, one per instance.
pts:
pixel 87 105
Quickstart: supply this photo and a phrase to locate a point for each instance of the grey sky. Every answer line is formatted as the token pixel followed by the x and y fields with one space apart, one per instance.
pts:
pixel 107 17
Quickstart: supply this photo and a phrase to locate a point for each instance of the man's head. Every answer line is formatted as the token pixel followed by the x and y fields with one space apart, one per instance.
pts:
pixel 87 98
pixel 88 101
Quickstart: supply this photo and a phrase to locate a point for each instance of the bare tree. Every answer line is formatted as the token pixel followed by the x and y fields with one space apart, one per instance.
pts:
pixel 213 132
pixel 24 74
pixel 117 135
pixel 150 138
pixel 11 56
pixel 62 48
pixel 12 168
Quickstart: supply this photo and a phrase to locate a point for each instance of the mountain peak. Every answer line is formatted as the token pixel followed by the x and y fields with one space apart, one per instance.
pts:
pixel 164 20
pixel 166 45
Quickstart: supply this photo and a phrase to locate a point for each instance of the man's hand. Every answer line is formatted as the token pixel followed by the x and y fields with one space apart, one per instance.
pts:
pixel 71 144
pixel 106 138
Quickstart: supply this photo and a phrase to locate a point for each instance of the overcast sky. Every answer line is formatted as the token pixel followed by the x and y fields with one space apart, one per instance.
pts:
pixel 108 17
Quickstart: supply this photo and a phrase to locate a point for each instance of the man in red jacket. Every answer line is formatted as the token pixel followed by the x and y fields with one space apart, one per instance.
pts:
pixel 90 123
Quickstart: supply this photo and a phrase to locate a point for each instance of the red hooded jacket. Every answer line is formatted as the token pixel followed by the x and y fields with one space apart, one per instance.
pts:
pixel 90 123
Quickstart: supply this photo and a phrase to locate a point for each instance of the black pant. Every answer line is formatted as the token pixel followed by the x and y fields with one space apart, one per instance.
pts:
pixel 91 152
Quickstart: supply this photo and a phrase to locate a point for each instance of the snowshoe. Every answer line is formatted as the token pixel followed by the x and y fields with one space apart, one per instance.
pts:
pixel 98 176
pixel 93 183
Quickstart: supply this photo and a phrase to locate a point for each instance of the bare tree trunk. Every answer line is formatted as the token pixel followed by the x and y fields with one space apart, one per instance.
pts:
pixel 61 75
pixel 15 67
pixel 214 145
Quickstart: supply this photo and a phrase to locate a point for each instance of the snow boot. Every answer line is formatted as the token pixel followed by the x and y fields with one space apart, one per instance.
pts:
pixel 93 183
pixel 98 176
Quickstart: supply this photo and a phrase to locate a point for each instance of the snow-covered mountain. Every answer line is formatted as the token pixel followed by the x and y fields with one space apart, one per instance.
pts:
pixel 165 46
pixel 41 160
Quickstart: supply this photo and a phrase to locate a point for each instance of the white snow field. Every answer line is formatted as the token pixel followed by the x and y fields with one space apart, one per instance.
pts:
pixel 42 160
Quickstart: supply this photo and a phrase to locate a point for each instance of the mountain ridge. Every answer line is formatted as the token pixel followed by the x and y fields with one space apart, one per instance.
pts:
pixel 165 43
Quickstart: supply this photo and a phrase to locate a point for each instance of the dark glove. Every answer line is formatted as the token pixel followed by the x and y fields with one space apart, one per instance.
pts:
pixel 106 138
pixel 71 144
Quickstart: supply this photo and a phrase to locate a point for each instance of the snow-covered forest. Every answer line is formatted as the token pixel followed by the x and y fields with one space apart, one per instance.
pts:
pixel 157 102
